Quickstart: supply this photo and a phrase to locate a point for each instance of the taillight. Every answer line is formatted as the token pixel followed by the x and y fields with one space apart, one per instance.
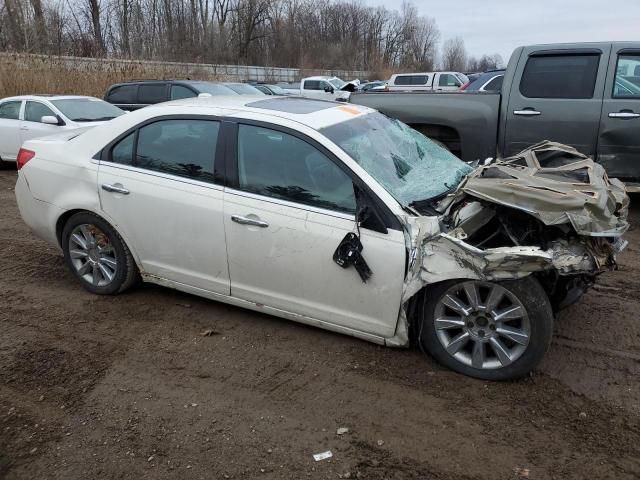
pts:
pixel 24 156
pixel 464 87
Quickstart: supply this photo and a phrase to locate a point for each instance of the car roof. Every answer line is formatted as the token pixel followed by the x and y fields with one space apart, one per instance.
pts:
pixel 47 96
pixel 313 113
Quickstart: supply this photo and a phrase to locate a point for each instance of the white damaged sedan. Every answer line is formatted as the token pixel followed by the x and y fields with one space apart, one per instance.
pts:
pixel 332 215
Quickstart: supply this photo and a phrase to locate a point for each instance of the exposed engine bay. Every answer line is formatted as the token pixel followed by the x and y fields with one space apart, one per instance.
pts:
pixel 549 211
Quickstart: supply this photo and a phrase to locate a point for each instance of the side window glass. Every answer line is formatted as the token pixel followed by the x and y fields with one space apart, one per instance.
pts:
pixel 495 85
pixel 34 112
pixel 403 80
pixel 123 94
pixel 279 165
pixel 180 147
pixel 153 93
pixel 122 152
pixel 10 110
pixel 560 76
pixel 627 82
pixel 312 85
pixel 178 92
pixel 419 80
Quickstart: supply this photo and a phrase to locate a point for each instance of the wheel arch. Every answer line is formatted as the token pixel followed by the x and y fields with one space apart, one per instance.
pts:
pixel 64 218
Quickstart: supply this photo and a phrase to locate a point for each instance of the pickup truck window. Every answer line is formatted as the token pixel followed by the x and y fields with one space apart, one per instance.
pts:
pixel 411 80
pixel 627 83
pixel 448 80
pixel 560 76
pixel 312 85
pixel 406 163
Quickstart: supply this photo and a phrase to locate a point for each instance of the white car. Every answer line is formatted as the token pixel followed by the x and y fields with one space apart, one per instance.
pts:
pixel 31 116
pixel 325 88
pixel 331 215
pixel 438 81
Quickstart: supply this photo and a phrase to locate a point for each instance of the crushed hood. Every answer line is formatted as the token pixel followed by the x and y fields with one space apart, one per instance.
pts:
pixel 556 184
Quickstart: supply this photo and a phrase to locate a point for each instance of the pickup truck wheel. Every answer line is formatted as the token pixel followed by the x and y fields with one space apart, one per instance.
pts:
pixel 487 330
pixel 97 255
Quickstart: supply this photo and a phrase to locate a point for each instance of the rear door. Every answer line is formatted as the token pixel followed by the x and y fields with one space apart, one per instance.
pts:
pixel 157 184
pixel 558 98
pixel 287 207
pixel 619 140
pixel 152 93
pixel 32 126
pixel 10 129
pixel 124 96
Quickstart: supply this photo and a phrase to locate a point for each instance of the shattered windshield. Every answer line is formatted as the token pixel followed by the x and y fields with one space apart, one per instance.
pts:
pixel 406 163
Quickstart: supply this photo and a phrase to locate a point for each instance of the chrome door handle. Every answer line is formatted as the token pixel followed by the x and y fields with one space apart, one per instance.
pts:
pixel 115 189
pixel 249 221
pixel 527 113
pixel 624 115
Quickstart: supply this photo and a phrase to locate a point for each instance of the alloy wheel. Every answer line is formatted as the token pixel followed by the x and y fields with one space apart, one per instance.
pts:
pixel 482 324
pixel 92 255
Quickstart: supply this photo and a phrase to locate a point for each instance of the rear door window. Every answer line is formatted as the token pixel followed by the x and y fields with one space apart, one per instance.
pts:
pixel 10 110
pixel 123 94
pixel 560 76
pixel 495 85
pixel 312 85
pixel 185 148
pixel 627 82
pixel 34 111
pixel 152 93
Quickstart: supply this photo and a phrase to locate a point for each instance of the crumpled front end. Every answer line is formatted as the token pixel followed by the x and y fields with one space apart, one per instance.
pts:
pixel 549 212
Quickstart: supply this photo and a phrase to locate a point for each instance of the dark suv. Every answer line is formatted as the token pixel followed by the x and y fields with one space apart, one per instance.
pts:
pixel 138 94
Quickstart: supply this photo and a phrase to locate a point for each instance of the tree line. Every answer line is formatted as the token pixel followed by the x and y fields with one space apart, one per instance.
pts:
pixel 328 34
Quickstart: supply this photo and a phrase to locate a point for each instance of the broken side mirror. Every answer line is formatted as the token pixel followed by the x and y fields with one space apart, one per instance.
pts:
pixel 367 215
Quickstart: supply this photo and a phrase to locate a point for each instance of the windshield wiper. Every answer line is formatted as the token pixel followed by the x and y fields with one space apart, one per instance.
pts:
pixel 99 119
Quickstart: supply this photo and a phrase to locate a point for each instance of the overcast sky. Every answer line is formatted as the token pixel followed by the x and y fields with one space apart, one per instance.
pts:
pixel 498 26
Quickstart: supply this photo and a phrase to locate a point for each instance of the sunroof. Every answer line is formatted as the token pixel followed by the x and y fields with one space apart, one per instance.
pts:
pixel 292 104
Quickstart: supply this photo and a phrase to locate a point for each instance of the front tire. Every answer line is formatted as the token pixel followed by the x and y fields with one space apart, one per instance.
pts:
pixel 96 254
pixel 487 330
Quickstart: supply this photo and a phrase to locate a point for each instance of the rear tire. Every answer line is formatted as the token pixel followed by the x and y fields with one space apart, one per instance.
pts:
pixel 96 254
pixel 500 332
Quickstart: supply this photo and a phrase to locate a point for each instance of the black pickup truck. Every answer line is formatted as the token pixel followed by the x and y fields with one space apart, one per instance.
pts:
pixel 586 95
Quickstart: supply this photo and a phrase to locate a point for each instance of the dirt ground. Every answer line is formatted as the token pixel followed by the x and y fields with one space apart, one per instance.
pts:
pixel 127 387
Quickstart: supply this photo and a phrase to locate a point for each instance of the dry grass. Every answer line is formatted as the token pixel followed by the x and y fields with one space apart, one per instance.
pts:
pixel 21 75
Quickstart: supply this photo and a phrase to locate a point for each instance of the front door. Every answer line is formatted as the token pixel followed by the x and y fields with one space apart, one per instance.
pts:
pixel 559 98
pixel 158 183
pixel 32 126
pixel 619 140
pixel 289 207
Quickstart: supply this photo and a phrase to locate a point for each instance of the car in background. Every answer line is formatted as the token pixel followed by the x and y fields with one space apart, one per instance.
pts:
pixel 323 87
pixel 142 93
pixel 243 88
pixel 374 85
pixel 489 81
pixel 26 117
pixel 438 81
pixel 270 89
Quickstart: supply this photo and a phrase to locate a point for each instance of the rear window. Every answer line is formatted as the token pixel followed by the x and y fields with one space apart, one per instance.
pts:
pixel 153 93
pixel 560 76
pixel 123 94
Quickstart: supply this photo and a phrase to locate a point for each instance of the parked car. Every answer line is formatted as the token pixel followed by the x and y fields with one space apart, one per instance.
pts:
pixel 578 94
pixel 31 116
pixel 142 93
pixel 322 87
pixel 332 215
pixel 376 85
pixel 490 81
pixel 438 81
pixel 243 88
pixel 271 89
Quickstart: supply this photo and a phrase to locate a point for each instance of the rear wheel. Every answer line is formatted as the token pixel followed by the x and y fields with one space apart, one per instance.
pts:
pixel 97 255
pixel 488 330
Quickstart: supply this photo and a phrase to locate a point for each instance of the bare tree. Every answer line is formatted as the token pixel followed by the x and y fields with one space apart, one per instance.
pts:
pixel 454 55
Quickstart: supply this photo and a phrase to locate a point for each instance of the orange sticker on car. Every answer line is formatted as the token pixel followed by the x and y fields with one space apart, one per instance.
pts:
pixel 351 110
